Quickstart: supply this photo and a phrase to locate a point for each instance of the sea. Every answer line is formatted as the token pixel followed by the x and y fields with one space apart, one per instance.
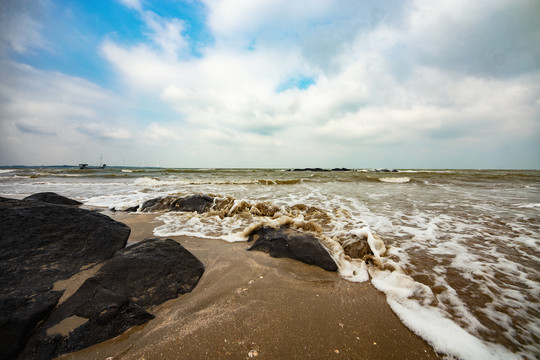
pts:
pixel 456 252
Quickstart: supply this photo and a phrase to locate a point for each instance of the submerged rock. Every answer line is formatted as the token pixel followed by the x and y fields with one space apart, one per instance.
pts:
pixel 40 244
pixel 116 297
pixel 193 203
pixel 358 249
pixel 341 169
pixel 321 170
pixel 52 198
pixel 289 243
pixel 132 209
pixel 311 169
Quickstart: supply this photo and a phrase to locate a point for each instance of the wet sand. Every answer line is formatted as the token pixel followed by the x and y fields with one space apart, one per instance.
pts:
pixel 250 305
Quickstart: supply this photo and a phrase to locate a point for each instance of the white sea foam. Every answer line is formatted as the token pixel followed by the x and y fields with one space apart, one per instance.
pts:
pixel 442 333
pixel 411 301
pixel 151 182
pixel 6 171
pixel 530 206
pixel 399 180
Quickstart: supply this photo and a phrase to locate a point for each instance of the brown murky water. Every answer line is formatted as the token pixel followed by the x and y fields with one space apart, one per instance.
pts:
pixel 463 244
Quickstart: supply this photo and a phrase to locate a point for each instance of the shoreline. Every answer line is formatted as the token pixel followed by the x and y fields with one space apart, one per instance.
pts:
pixel 248 304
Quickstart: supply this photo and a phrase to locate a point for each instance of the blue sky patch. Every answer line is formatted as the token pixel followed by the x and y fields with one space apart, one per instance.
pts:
pixel 301 82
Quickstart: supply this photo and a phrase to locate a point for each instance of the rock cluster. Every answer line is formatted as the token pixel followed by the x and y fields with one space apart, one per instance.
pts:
pixel 321 170
pixel 192 203
pixel 43 239
pixel 42 243
pixel 280 242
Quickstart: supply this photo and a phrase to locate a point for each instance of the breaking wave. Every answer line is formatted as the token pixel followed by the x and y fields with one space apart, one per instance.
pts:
pixel 151 181
pixel 230 219
pixel 396 180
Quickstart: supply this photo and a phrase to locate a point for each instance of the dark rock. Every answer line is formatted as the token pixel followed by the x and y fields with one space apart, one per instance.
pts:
pixel 18 317
pixel 52 198
pixel 285 242
pixel 155 204
pixel 132 209
pixel 151 271
pixel 107 304
pixel 193 203
pixel 40 244
pixel 311 169
pixel 322 170
pixel 386 170
pixel 341 169
pixel 101 313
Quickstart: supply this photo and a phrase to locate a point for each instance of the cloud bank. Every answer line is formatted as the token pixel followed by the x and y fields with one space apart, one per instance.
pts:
pixel 281 84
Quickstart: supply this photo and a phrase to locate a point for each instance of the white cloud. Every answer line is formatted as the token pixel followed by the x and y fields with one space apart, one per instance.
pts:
pixel 133 4
pixel 234 19
pixel 167 34
pixel 103 131
pixel 376 93
pixel 156 133
pixel 20 31
pixel 387 80
pixel 48 117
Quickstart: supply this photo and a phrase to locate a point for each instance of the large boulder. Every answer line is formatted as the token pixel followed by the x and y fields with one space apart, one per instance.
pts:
pixel 113 300
pixel 151 271
pixel 92 315
pixel 40 244
pixel 289 243
pixel 192 203
pixel 52 198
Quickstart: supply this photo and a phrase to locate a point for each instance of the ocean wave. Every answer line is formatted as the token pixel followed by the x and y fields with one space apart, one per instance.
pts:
pixel 151 181
pixel 529 206
pixel 50 174
pixel 280 182
pixel 396 180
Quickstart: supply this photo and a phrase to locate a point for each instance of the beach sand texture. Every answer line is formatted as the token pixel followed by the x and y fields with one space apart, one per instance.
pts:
pixel 250 305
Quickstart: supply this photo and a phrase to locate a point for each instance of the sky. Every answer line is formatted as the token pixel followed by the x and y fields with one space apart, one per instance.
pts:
pixel 271 83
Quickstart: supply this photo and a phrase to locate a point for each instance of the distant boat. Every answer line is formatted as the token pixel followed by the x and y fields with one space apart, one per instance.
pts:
pixel 86 167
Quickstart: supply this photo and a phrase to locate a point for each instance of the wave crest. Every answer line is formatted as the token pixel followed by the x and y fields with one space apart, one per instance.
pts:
pixel 396 180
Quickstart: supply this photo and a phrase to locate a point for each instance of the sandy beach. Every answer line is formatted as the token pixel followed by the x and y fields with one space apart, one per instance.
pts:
pixel 250 305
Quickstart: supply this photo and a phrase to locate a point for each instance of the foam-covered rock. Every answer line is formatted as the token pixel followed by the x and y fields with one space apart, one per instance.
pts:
pixel 192 203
